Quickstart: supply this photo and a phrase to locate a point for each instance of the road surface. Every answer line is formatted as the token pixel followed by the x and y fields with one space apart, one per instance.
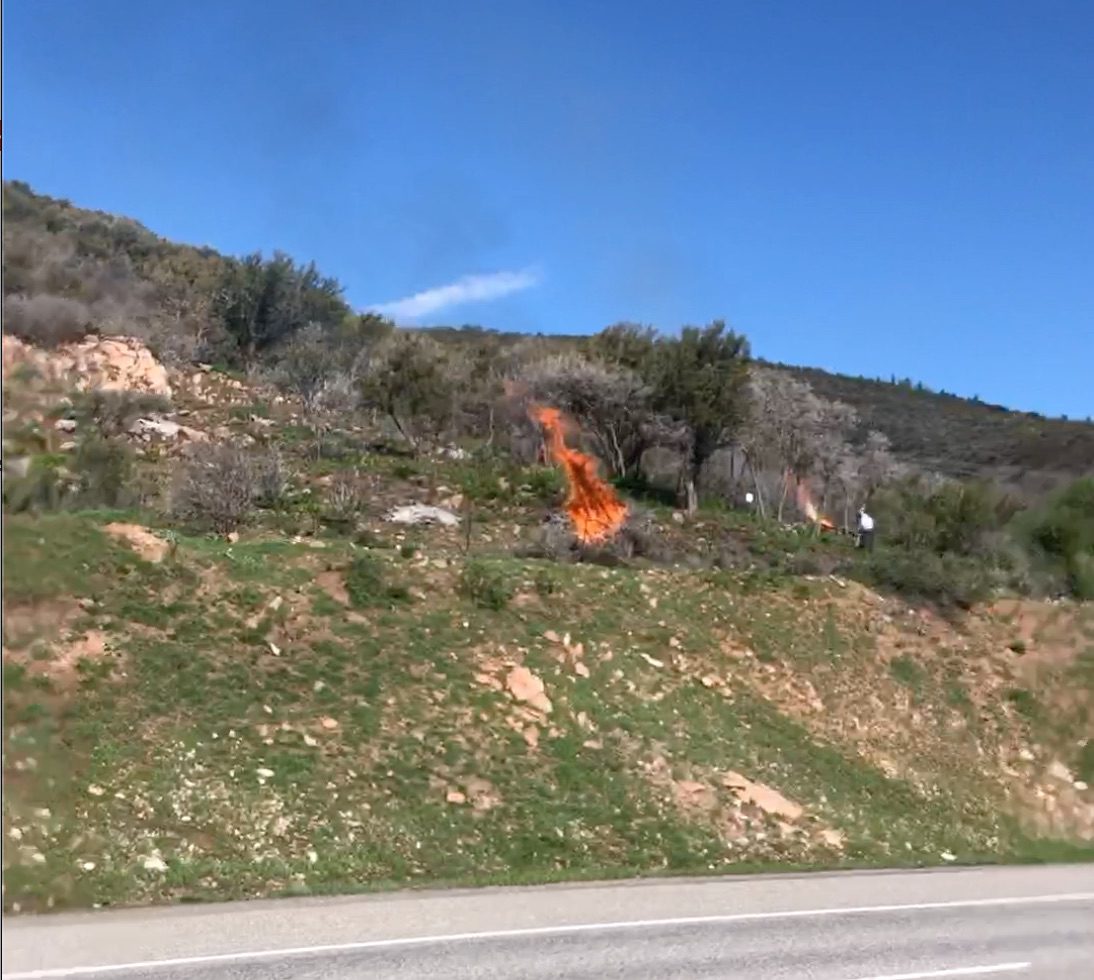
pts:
pixel 1025 922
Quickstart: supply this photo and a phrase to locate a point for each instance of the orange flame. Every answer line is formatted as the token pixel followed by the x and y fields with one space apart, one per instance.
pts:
pixel 595 509
pixel 805 502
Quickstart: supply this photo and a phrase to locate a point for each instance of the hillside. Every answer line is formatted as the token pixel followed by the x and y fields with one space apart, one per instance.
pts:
pixel 113 271
pixel 964 438
pixel 321 699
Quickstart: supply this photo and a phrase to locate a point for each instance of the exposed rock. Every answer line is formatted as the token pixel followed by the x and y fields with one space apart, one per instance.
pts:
pixel 109 363
pixel 771 801
pixel 1057 770
pixel 167 429
pixel 528 688
pixel 146 544
pixel 65 425
pixel 154 862
pixel 422 514
pixel 455 796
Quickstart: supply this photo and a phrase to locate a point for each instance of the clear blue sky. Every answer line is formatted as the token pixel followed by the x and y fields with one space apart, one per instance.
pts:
pixel 873 187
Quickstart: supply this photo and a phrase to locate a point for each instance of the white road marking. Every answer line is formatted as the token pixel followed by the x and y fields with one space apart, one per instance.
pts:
pixel 563 930
pixel 957 971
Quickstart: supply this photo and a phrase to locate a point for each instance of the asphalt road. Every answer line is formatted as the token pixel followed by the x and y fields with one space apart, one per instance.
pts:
pixel 1031 922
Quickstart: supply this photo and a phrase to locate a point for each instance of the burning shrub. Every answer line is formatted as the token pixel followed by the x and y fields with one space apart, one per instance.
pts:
pixel 594 507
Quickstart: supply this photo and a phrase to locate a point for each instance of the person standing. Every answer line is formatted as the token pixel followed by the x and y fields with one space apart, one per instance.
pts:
pixel 865 530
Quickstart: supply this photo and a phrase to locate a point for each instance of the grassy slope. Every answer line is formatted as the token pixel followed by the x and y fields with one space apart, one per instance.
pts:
pixel 326 761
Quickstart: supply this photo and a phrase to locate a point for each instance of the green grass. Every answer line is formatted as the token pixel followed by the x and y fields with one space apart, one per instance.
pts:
pixel 326 766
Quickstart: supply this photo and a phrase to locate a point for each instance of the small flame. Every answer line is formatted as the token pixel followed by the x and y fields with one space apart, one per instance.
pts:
pixel 595 510
pixel 805 502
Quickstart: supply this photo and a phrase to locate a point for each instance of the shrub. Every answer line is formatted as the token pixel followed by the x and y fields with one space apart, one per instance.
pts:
pixel 43 485
pixel 214 488
pixel 114 412
pixel 365 580
pixel 956 518
pixel 99 474
pixel 46 320
pixel 270 479
pixel 921 574
pixel 367 585
pixel 487 587
pixel 104 471
pixel 1062 532
pixel 343 499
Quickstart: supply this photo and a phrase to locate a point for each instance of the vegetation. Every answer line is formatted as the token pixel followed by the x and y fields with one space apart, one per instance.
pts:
pixel 220 726
pixel 302 695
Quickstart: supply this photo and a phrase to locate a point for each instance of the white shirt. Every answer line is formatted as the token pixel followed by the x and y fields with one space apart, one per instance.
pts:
pixel 865 522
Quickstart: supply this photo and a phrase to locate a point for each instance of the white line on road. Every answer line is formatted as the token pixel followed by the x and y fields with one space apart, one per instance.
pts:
pixel 563 930
pixel 957 971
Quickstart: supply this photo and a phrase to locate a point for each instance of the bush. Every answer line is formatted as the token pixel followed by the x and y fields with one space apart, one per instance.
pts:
pixel 920 574
pixel 44 485
pixel 46 320
pixel 343 498
pixel 215 488
pixel 1062 533
pixel 367 585
pixel 99 474
pixel 113 413
pixel 487 587
pixel 104 471
pixel 953 518
pixel 270 479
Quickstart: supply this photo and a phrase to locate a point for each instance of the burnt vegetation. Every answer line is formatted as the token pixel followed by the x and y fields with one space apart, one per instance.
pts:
pixel 969 497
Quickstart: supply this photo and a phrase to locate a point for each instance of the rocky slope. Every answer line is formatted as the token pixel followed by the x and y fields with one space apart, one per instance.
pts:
pixel 321 704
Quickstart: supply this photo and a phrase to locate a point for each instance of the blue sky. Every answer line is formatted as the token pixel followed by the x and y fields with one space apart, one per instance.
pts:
pixel 874 187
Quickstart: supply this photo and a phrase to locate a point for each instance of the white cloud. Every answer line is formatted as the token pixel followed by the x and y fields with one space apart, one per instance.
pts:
pixel 467 289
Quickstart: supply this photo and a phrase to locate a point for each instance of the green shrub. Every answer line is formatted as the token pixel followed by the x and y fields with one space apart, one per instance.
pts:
pixel 1084 766
pixel 489 588
pixel 545 483
pixel 367 585
pixel 924 575
pixel 953 518
pixel 545 583
pixel 44 485
pixel 104 471
pixel 99 474
pixel 1062 533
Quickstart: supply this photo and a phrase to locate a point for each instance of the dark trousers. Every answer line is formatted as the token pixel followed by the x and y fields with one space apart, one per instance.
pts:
pixel 866 540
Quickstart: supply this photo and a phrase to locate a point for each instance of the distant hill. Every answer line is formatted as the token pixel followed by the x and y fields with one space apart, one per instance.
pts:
pixel 118 269
pixel 962 437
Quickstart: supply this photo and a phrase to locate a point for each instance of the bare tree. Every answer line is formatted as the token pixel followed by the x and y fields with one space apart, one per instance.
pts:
pixel 610 404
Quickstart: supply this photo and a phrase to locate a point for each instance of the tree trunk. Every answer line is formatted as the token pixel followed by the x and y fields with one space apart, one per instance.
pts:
pixel 695 465
pixel 756 485
pixel 782 499
pixel 692 495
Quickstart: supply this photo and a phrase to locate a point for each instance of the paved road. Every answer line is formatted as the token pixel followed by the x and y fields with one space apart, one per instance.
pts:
pixel 1033 922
